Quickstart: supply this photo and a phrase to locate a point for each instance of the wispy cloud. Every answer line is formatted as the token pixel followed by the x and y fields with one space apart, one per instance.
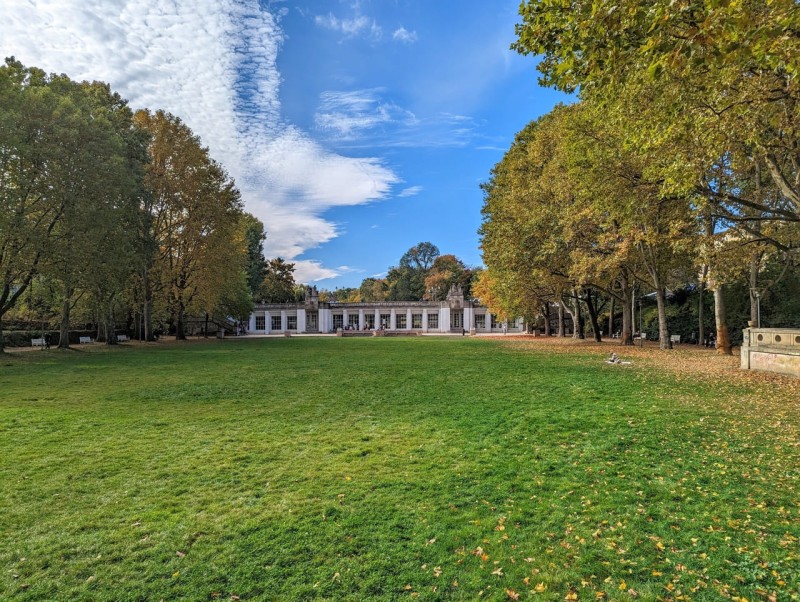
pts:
pixel 366 119
pixel 410 191
pixel 346 114
pixel 403 35
pixel 214 64
pixel 359 25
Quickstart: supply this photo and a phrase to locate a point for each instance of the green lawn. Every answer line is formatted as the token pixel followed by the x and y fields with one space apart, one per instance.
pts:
pixel 353 469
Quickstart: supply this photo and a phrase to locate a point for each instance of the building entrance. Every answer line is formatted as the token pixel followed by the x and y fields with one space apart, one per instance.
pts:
pixel 456 320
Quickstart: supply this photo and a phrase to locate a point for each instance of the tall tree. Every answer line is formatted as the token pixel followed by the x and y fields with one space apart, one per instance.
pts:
pixel 195 211
pixel 254 237
pixel 445 272
pixel 95 241
pixel 373 289
pixel 68 172
pixel 278 285
pixel 722 77
pixel 407 280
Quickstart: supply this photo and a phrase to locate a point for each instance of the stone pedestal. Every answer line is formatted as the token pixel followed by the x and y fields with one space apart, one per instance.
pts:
pixel 771 350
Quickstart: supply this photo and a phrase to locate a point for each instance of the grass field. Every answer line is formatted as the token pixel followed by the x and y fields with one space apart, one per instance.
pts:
pixel 430 468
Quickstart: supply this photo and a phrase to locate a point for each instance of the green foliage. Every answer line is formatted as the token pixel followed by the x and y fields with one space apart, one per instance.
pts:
pixel 278 285
pixel 407 281
pixel 373 289
pixel 256 268
pixel 72 168
pixel 447 271
pixel 196 214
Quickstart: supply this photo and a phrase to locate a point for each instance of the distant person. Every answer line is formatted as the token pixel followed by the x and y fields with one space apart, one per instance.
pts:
pixel 47 339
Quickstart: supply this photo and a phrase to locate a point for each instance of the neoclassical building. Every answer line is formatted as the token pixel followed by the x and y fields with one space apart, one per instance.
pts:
pixel 454 315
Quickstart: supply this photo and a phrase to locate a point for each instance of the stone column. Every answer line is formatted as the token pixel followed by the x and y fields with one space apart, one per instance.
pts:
pixel 301 320
pixel 393 321
pixel 267 322
pixel 444 319
pixel 469 319
pixel 344 319
pixel 251 327
pixel 377 318
pixel 284 325
pixel 408 319
pixel 361 319
pixel 424 320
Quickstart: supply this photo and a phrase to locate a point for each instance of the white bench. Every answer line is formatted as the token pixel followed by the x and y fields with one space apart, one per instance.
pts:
pixel 675 338
pixel 37 342
pixel 122 337
pixel 85 340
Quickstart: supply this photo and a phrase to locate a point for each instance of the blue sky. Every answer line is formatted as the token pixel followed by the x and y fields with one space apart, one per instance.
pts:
pixel 355 129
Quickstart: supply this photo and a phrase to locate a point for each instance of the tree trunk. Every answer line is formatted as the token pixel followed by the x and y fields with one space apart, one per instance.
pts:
pixel 611 318
pixel 2 342
pixel 111 326
pixel 664 341
pixel 546 314
pixel 205 327
pixel 754 263
pixel 723 339
pixel 63 335
pixel 147 306
pixel 701 309
pixel 627 310
pixel 574 310
pixel 593 317
pixel 180 334
pixel 561 319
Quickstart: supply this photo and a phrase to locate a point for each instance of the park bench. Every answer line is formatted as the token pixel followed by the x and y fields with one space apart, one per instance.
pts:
pixel 122 338
pixel 675 338
pixel 85 340
pixel 37 342
pixel 355 333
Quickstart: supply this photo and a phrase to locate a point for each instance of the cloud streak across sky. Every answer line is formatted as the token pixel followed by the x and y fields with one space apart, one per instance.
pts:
pixel 214 64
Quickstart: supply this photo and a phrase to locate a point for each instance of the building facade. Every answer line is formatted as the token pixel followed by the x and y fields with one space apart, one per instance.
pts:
pixel 454 315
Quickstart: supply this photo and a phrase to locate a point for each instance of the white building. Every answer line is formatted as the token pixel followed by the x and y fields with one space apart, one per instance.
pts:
pixel 454 315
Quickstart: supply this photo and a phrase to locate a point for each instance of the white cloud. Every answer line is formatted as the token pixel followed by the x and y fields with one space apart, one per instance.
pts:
pixel 346 114
pixel 358 25
pixel 212 63
pixel 411 191
pixel 312 271
pixel 403 35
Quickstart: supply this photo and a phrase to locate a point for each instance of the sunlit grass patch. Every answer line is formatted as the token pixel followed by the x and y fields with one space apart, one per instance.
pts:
pixel 384 469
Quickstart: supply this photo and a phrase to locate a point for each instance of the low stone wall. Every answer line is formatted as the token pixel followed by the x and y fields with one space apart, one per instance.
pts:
pixel 772 350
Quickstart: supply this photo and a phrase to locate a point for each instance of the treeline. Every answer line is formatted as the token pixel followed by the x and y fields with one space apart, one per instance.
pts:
pixel 110 216
pixel 422 273
pixel 679 167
